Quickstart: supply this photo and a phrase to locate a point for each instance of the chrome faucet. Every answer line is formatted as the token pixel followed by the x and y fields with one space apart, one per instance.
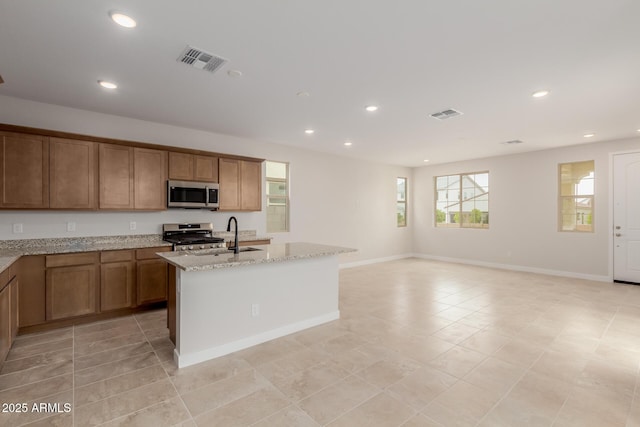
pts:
pixel 235 247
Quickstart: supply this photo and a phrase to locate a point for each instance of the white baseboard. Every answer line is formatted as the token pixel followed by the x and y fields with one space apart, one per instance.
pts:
pixel 221 350
pixel 374 261
pixel 522 268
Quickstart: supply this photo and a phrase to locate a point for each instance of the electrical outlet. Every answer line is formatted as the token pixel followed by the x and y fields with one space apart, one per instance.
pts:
pixel 133 225
pixel 71 226
pixel 255 310
pixel 17 228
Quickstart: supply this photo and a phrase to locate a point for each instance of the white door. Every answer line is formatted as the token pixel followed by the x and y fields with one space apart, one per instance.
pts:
pixel 626 217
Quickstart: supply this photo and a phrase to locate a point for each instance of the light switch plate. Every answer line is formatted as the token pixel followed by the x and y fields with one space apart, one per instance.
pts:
pixel 17 228
pixel 71 226
pixel 133 225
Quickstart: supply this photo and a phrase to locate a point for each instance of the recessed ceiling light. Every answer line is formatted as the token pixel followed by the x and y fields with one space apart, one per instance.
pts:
pixel 638 130
pixel 540 94
pixel 234 73
pixel 309 131
pixel 589 135
pixel 426 160
pixel 123 20
pixel 348 143
pixel 371 108
pixel 107 85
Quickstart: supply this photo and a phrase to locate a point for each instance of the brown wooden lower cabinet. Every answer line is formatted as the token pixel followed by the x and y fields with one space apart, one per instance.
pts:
pixel 151 277
pixel 5 321
pixel 31 291
pixel 117 280
pixel 71 291
pixel 14 307
pixel 69 286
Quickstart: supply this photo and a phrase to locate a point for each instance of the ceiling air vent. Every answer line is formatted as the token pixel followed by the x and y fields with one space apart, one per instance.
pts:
pixel 446 114
pixel 513 141
pixel 201 60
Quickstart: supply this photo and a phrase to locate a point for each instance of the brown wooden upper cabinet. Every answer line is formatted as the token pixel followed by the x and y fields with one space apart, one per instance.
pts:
pixel 193 167
pixel 116 176
pixel 132 178
pixel 73 177
pixel 150 183
pixel 240 185
pixel 24 171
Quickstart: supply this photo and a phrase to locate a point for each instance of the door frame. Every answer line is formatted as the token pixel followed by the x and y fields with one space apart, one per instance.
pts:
pixel 611 225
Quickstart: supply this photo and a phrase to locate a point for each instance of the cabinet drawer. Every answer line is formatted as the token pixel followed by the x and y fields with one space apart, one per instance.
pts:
pixel 116 256
pixel 71 259
pixel 150 253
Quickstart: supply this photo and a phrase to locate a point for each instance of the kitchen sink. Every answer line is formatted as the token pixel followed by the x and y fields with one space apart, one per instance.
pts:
pixel 247 249
pixel 216 252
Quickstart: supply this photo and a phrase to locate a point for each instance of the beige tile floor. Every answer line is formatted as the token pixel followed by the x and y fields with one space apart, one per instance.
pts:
pixel 420 343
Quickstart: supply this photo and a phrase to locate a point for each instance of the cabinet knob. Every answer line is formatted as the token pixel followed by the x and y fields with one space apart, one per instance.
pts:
pixel 618 234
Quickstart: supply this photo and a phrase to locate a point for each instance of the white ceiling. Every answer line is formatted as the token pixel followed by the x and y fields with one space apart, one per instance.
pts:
pixel 410 57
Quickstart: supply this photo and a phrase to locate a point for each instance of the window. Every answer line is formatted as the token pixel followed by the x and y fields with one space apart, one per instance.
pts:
pixel 462 200
pixel 401 202
pixel 277 197
pixel 576 181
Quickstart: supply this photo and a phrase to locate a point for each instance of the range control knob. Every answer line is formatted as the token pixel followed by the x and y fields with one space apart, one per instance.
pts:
pixel 202 246
pixel 190 247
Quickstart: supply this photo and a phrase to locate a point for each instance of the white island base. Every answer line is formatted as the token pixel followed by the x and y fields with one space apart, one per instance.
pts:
pixel 222 310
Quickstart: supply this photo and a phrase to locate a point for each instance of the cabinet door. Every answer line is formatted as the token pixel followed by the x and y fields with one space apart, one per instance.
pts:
pixel 14 308
pixel 72 174
pixel 251 185
pixel 5 321
pixel 71 291
pixel 150 171
pixel 116 285
pixel 31 291
pixel 180 166
pixel 206 168
pixel 229 174
pixel 151 281
pixel 24 171
pixel 116 177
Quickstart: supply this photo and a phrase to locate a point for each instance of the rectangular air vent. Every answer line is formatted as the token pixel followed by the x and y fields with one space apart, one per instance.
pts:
pixel 446 114
pixel 201 60
pixel 513 141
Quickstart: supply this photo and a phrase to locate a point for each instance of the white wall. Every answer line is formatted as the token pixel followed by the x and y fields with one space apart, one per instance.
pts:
pixel 334 200
pixel 523 213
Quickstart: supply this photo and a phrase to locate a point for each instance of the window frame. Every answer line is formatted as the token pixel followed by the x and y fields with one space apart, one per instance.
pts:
pixel 575 197
pixel 404 202
pixel 460 200
pixel 286 198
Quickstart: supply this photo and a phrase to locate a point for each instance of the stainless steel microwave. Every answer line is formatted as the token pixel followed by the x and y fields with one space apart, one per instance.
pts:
pixel 193 195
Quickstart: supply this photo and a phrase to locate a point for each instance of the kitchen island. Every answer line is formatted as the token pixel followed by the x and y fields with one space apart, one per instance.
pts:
pixel 220 302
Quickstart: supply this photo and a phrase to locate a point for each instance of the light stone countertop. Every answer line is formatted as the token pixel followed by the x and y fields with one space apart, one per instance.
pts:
pixel 12 250
pixel 212 259
pixel 79 244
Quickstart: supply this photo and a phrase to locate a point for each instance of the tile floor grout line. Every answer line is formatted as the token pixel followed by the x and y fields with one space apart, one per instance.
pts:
pixel 191 418
pixel 526 371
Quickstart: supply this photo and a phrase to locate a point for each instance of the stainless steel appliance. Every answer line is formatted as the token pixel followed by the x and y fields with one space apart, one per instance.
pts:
pixel 186 237
pixel 193 195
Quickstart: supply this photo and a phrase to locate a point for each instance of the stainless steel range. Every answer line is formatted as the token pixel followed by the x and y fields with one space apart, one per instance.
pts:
pixel 188 237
